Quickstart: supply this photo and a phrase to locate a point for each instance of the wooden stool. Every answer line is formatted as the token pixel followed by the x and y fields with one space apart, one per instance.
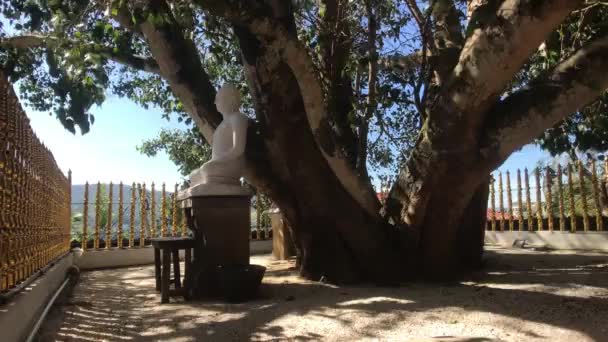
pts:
pixel 170 247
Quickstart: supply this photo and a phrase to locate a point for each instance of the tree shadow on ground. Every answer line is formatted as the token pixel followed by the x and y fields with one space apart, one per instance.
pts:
pixel 123 305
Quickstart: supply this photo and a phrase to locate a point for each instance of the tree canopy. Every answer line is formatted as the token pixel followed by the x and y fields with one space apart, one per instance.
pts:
pixel 438 92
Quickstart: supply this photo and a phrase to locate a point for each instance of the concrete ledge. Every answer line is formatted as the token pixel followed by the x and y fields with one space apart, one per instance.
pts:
pixel 18 316
pixel 102 258
pixel 555 240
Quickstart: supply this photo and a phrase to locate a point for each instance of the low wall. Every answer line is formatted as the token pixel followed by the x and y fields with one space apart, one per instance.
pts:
pixel 102 258
pixel 20 314
pixel 555 239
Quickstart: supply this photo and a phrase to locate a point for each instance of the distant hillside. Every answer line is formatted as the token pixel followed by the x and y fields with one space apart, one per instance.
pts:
pixel 78 201
pixel 78 206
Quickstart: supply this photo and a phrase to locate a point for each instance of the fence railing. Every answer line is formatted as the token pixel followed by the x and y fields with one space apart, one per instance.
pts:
pixel 566 198
pixel 128 216
pixel 34 197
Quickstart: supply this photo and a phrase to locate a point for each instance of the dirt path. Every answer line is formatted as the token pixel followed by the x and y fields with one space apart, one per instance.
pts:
pixel 522 295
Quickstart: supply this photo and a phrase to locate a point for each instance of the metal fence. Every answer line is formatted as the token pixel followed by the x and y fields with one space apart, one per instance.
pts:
pixel 34 197
pixel 128 216
pixel 570 198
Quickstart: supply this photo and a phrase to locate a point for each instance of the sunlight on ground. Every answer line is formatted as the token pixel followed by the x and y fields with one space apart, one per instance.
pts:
pixel 522 296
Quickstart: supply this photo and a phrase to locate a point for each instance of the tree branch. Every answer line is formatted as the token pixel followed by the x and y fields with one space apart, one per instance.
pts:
pixel 335 45
pixel 278 35
pixel 448 39
pixel 33 40
pixel 501 36
pixel 416 13
pixel 180 64
pixel 527 113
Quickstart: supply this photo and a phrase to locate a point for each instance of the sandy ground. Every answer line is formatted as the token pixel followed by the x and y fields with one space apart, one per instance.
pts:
pixel 522 295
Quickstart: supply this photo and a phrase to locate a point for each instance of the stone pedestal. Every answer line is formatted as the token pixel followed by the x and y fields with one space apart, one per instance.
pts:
pixel 221 225
pixel 282 242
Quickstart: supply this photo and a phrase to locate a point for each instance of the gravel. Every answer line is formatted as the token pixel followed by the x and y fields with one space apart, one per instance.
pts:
pixel 521 295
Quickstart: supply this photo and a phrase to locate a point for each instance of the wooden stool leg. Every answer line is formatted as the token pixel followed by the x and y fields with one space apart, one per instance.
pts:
pixel 187 266
pixel 164 292
pixel 178 282
pixel 157 274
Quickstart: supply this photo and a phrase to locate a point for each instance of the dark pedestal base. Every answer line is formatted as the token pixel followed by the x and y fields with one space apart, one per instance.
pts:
pixel 221 226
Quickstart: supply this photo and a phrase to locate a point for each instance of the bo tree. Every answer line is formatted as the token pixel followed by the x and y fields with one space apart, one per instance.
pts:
pixel 472 84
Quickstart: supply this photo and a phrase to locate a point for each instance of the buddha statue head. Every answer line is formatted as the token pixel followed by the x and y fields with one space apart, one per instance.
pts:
pixel 228 99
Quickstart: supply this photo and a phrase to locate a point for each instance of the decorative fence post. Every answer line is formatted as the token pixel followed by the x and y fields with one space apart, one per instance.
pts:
pixel 509 201
pixel 581 180
pixel 539 207
pixel 132 218
pixel 108 238
pixel 152 211
pixel 528 202
pixel 35 197
pixel 97 214
pixel 549 199
pixel 560 191
pixel 596 198
pixel 163 213
pixel 85 218
pixel 142 215
pixel 571 200
pixel 119 238
pixel 493 204
pixel 174 213
pixel 520 202
pixel 501 219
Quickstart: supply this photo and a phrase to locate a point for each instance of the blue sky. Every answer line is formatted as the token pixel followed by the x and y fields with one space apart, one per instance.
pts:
pixel 107 153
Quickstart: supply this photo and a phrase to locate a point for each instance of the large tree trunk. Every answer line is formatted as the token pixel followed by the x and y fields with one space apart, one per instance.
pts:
pixel 452 233
pixel 336 238
pixel 435 216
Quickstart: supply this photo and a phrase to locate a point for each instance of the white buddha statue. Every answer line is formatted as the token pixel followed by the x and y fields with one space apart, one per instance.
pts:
pixel 221 175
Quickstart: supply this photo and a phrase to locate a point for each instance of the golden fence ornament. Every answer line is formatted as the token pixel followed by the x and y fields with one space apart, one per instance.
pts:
pixel 539 207
pixel 35 213
pixel 501 204
pixel 132 218
pixel 108 234
pixel 119 234
pixel 97 215
pixel 163 212
pixel 85 218
pixel 509 201
pixel 581 181
pixel 520 202
pixel 560 192
pixel 142 214
pixel 596 198
pixel 571 200
pixel 152 211
pixel 174 222
pixel 549 209
pixel 528 202
pixel 493 205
